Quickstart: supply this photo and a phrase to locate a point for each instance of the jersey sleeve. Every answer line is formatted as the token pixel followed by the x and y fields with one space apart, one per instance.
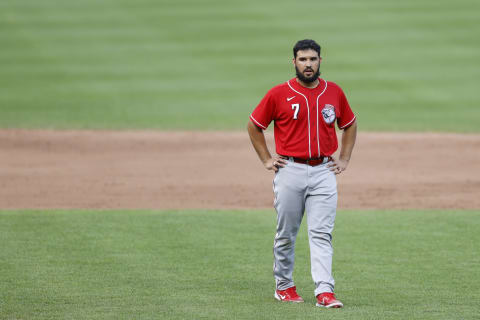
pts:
pixel 263 114
pixel 347 117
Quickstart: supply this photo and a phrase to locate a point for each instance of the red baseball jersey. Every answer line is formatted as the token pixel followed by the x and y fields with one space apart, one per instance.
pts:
pixel 304 118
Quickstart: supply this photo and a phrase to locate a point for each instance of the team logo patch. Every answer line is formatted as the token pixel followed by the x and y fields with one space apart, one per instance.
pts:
pixel 328 113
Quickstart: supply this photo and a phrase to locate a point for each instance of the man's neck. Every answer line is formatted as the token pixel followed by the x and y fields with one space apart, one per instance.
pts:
pixel 309 85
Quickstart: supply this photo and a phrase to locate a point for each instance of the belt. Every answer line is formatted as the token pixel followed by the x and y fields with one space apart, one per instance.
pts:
pixel 312 161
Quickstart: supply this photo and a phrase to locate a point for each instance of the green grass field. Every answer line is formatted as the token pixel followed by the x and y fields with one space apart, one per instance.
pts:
pixel 405 65
pixel 218 265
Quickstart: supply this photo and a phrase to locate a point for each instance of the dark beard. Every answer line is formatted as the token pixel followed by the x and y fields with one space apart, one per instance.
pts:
pixel 311 79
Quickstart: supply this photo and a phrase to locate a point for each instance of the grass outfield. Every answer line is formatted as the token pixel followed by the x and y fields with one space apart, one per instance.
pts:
pixel 405 65
pixel 217 265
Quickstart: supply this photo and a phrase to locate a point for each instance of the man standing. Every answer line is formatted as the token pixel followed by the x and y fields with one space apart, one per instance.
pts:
pixel 304 111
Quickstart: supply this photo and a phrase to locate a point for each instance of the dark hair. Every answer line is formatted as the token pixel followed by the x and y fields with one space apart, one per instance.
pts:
pixel 305 45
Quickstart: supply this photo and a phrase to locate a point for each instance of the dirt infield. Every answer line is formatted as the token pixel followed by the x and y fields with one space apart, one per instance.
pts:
pixel 44 169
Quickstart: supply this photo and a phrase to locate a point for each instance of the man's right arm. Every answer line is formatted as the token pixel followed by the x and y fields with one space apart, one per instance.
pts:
pixel 258 141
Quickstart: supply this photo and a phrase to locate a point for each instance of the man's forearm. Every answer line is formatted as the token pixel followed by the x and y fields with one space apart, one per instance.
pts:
pixel 349 137
pixel 258 141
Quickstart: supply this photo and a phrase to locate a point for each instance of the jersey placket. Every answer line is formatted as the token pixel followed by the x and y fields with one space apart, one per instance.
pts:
pixel 313 125
pixel 306 97
pixel 315 140
pixel 319 118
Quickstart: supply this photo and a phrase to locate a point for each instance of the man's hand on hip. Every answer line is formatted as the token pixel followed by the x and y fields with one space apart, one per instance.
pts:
pixel 337 165
pixel 275 163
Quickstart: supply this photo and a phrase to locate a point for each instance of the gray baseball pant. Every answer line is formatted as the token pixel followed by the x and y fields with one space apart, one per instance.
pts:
pixel 300 188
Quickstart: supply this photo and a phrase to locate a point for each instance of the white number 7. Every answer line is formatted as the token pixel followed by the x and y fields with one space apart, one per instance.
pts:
pixel 295 106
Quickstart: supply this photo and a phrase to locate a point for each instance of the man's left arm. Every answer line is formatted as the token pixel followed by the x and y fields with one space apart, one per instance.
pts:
pixel 349 136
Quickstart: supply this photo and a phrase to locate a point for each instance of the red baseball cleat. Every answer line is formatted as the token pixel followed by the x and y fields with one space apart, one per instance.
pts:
pixel 288 295
pixel 328 300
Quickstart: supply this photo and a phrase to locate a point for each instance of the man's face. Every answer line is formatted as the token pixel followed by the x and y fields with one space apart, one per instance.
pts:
pixel 307 65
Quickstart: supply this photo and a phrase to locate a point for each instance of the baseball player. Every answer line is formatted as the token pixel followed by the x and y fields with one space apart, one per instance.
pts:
pixel 304 111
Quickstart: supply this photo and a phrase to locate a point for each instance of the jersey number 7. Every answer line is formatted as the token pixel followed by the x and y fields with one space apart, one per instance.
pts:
pixel 295 106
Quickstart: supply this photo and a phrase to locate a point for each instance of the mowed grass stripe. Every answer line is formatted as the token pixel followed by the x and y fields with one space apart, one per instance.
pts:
pixel 218 265
pixel 205 64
